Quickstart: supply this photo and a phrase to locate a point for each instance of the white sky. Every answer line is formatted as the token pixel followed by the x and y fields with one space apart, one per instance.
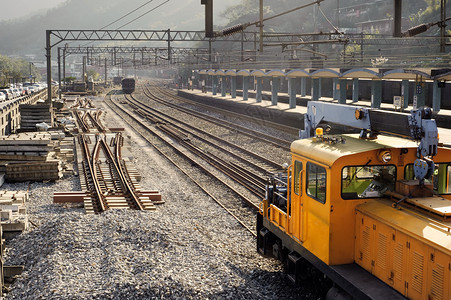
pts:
pixel 13 9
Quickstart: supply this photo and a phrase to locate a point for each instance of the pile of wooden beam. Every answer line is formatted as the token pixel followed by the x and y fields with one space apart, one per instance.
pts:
pixel 13 213
pixel 36 156
pixel 14 221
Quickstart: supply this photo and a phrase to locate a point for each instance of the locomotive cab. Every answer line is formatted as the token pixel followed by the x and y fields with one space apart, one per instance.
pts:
pixel 349 204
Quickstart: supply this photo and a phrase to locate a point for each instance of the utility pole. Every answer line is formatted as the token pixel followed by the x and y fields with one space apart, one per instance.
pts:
pixel 261 26
pixel 134 63
pixel 83 69
pixel 31 74
pixel 64 65
pixel 397 18
pixel 208 18
pixel 48 55
pixel 169 46
pixel 106 74
pixel 59 72
pixel 442 25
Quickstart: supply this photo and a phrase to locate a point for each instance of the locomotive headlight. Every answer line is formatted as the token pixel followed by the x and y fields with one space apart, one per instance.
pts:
pixel 319 131
pixel 385 156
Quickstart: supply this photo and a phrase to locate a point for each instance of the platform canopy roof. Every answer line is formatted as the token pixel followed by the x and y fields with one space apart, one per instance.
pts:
pixel 325 73
pixel 363 73
pixel 297 73
pixel 442 74
pixel 360 73
pixel 276 73
pixel 258 73
pixel 231 72
pixel 243 73
pixel 407 74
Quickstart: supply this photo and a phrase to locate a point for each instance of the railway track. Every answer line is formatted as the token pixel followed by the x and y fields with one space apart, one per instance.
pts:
pixel 162 96
pixel 109 181
pixel 165 93
pixel 248 168
pixel 245 167
pixel 196 148
pixel 106 177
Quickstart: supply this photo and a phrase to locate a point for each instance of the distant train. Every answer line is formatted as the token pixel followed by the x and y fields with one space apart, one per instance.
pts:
pixel 128 85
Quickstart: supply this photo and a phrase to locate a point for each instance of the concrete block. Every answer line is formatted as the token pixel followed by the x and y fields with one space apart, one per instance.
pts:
pixel 6 215
pixel 12 208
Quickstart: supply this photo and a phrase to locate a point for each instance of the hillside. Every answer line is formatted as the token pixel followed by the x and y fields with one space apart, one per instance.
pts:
pixel 27 36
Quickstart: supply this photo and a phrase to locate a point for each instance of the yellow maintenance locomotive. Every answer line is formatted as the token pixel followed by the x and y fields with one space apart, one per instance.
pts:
pixel 370 211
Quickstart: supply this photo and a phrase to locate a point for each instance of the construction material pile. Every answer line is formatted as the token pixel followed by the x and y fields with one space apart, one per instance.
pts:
pixel 35 156
pixel 13 212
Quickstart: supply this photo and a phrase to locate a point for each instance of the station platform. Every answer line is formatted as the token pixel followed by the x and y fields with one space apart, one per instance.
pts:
pixel 294 117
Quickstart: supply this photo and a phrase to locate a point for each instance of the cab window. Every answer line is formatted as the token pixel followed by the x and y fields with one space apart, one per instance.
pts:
pixel 440 179
pixel 367 181
pixel 316 182
pixel 297 174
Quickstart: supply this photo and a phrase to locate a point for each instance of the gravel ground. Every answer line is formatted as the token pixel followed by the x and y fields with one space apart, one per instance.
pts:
pixel 189 248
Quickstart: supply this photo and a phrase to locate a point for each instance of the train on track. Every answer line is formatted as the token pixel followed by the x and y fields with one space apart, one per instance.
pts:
pixel 371 212
pixel 128 85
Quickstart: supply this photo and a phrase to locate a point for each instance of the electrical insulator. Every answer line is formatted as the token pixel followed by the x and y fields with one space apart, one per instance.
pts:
pixel 417 30
pixel 233 29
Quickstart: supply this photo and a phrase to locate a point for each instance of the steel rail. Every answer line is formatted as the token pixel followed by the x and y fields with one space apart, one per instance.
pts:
pixel 110 103
pixel 249 132
pixel 174 122
pixel 243 173
pixel 257 188
pixel 284 128
pixel 183 153
pixel 238 173
pixel 115 162
pixel 100 204
pixel 95 121
pixel 81 122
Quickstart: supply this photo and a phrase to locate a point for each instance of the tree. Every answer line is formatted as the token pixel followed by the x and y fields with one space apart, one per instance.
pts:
pixel 16 70
pixel 69 79
pixel 93 74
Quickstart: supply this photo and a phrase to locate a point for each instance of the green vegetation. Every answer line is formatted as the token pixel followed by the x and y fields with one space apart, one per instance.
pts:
pixel 70 79
pixel 311 19
pixel 16 70
pixel 94 75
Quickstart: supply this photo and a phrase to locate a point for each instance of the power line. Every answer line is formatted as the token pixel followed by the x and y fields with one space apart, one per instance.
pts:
pixel 328 21
pixel 126 15
pixel 143 14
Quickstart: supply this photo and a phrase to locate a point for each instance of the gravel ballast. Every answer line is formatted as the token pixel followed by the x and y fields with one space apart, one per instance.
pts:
pixel 188 248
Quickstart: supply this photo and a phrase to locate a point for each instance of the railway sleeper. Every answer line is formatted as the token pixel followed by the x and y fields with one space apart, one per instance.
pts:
pixel 89 208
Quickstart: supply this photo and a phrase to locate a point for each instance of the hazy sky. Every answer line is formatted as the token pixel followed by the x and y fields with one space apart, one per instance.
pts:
pixel 13 9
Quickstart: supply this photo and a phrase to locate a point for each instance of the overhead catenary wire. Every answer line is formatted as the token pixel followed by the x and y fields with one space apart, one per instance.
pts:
pixel 126 15
pixel 147 12
pixel 328 21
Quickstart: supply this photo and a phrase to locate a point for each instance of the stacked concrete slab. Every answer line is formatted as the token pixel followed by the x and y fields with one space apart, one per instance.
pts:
pixel 34 114
pixel 13 213
pixel 14 220
pixel 35 156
